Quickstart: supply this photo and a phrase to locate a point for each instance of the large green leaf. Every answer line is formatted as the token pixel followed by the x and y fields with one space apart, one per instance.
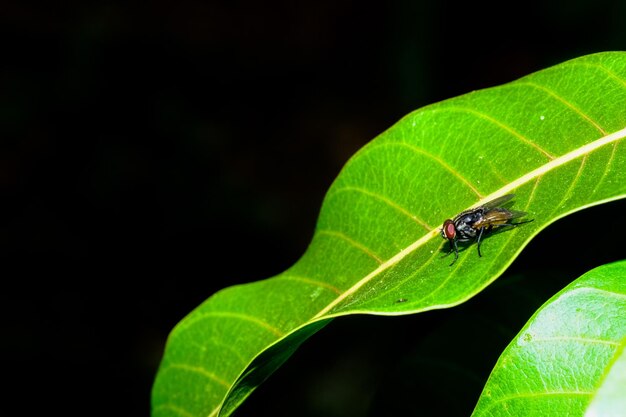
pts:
pixel 556 363
pixel 554 138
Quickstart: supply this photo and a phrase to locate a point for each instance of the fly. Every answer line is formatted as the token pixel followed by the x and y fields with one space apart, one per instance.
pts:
pixel 472 224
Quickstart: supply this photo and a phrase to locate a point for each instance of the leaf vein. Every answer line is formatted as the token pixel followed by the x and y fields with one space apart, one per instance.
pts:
pixel 385 265
pixel 572 185
pixel 312 282
pixel 608 71
pixel 571 106
pixel 215 342
pixel 352 242
pixel 606 168
pixel 231 315
pixel 504 127
pixel 387 201
pixel 400 283
pixel 198 370
pixel 440 161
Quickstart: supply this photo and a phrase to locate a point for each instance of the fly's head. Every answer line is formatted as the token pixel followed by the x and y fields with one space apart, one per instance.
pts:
pixel 448 231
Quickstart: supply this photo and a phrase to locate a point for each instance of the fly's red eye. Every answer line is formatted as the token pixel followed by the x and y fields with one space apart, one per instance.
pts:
pixel 448 229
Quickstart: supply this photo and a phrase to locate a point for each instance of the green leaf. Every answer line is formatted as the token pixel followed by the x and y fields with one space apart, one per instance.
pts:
pixel 554 138
pixel 610 399
pixel 555 364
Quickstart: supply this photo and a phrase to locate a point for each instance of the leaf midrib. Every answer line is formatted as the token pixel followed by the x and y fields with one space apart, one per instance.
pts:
pixel 536 173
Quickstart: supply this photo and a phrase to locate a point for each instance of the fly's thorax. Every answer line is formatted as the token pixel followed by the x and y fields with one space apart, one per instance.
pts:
pixel 465 232
pixel 464 223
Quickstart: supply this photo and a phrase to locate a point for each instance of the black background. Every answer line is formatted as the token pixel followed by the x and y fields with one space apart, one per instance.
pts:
pixel 151 155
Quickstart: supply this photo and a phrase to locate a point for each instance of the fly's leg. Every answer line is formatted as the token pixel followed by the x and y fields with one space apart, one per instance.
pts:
pixel 454 247
pixel 480 235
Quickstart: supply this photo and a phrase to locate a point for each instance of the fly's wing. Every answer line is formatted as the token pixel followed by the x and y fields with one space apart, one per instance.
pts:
pixel 514 214
pixel 497 217
pixel 497 202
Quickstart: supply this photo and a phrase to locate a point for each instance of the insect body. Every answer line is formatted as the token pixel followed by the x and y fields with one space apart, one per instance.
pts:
pixel 474 223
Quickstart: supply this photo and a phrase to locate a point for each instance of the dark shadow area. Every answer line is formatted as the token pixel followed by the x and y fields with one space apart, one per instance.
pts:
pixel 152 155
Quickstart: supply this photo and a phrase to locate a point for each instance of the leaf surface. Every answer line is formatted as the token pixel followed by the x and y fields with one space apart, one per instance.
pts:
pixel 610 398
pixel 554 138
pixel 556 364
